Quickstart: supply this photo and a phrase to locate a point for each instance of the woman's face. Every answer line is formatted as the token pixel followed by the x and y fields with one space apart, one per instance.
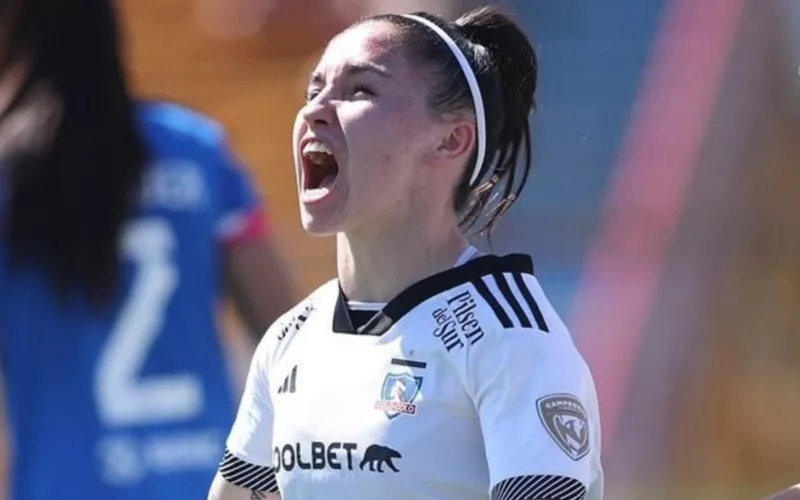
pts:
pixel 365 134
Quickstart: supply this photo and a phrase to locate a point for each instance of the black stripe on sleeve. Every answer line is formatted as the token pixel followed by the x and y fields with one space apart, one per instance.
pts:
pixel 505 290
pixel 539 487
pixel 246 475
pixel 410 363
pixel 490 299
pixel 528 296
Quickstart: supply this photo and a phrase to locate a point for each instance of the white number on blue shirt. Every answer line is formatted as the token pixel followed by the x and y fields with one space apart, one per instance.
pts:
pixel 123 397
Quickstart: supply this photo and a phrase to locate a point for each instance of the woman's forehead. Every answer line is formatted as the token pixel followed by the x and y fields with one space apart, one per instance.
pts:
pixel 368 42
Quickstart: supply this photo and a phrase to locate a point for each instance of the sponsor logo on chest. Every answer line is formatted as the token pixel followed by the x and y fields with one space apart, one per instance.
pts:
pixel 458 322
pixel 317 455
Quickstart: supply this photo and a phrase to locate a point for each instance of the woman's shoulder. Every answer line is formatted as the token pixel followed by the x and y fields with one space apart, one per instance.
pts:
pixel 294 318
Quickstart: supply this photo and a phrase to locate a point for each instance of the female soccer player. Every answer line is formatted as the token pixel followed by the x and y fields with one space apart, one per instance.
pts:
pixel 117 219
pixel 426 370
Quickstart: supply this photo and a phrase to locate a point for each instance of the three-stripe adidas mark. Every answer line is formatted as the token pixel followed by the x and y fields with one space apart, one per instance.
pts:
pixel 289 382
pixel 523 311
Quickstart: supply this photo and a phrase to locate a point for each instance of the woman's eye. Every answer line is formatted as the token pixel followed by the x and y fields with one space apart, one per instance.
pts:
pixel 356 90
pixel 311 94
pixel 362 90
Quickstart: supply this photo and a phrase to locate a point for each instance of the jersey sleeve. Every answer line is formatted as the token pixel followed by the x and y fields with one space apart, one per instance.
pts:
pixel 240 216
pixel 248 460
pixel 537 407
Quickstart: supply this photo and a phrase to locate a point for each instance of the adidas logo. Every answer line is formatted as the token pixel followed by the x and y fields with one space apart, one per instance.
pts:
pixel 288 385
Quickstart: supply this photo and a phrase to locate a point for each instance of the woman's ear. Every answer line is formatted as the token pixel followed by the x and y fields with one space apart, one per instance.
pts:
pixel 458 142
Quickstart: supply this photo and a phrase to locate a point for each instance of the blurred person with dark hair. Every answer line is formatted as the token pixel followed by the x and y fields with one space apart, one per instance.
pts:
pixel 121 224
pixel 426 369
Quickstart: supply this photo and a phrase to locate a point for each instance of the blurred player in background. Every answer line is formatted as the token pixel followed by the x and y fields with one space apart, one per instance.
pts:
pixel 438 373
pixel 121 222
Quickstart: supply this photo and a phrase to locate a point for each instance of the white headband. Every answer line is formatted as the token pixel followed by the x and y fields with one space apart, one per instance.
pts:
pixel 474 89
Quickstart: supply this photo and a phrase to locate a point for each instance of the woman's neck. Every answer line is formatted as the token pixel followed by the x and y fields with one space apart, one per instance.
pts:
pixel 376 264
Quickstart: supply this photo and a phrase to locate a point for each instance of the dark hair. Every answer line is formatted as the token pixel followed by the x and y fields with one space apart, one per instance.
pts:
pixel 71 190
pixel 505 67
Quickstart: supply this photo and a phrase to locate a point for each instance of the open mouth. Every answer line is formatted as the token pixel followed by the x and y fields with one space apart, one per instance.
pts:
pixel 320 170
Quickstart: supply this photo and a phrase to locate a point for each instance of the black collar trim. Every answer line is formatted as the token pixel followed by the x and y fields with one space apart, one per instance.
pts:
pixel 422 290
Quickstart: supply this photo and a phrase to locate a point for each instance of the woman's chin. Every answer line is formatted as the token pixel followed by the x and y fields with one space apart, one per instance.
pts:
pixel 322 209
pixel 318 224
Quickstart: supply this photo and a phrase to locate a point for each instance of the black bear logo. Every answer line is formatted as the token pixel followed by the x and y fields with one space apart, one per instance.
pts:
pixel 377 455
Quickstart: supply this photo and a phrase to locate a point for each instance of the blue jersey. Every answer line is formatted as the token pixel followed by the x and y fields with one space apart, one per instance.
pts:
pixel 133 401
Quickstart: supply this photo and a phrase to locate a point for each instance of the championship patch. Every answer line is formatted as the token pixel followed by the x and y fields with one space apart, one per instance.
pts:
pixel 565 419
pixel 398 393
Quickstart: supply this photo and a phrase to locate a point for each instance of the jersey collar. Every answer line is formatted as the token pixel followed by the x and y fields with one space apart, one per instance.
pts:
pixel 423 290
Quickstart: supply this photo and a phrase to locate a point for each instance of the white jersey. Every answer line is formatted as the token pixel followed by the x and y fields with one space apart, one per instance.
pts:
pixel 465 386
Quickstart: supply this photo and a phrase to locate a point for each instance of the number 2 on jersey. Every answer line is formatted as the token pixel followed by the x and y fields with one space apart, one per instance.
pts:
pixel 123 397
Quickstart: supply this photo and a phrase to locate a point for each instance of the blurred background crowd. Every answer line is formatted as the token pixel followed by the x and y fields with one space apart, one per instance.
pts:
pixel 663 213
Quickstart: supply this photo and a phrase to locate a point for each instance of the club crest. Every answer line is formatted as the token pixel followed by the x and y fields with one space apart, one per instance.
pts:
pixel 565 420
pixel 398 393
